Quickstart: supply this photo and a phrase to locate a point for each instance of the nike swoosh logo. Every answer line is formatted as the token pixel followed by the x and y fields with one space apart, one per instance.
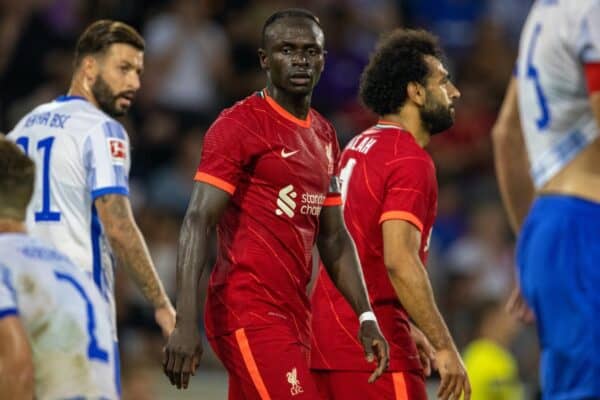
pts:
pixel 285 154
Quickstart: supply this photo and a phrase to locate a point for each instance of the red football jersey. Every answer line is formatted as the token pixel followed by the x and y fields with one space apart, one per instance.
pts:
pixel 278 170
pixel 385 175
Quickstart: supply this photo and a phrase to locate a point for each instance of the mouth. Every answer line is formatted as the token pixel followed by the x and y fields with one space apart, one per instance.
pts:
pixel 126 99
pixel 300 78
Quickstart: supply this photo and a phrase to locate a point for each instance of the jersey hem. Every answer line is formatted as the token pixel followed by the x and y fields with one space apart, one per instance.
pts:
pixel 214 181
pixel 109 190
pixel 8 312
pixel 402 215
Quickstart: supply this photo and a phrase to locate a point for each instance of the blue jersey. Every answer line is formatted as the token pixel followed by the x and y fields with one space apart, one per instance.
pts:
pixel 66 319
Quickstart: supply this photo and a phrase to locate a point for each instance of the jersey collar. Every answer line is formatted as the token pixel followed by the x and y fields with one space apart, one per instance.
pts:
pixel 65 97
pixel 304 123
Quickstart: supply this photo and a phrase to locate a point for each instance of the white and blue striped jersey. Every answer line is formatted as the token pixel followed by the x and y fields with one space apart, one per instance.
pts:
pixel 66 319
pixel 80 154
pixel 558 39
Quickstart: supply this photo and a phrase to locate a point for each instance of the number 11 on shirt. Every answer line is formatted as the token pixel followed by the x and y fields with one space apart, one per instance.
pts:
pixel 45 146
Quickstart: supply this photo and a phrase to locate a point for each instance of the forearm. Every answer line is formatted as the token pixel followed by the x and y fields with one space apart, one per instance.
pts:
pixel 412 286
pixel 192 258
pixel 16 381
pixel 132 253
pixel 341 262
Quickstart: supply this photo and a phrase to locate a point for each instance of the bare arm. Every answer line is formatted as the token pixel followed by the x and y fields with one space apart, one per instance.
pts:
pixel 341 262
pixel 16 365
pixel 129 246
pixel 184 348
pixel 595 104
pixel 401 243
pixel 512 164
pixel 340 259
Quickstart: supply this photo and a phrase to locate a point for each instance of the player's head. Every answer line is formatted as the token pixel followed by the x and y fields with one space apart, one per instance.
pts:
pixel 17 174
pixel 109 58
pixel 407 70
pixel 292 52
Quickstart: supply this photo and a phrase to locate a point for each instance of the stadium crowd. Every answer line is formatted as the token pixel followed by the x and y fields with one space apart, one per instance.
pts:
pixel 201 56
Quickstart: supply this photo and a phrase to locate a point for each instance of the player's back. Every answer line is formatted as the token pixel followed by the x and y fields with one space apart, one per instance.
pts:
pixel 65 317
pixel 80 153
pixel 559 38
pixel 385 175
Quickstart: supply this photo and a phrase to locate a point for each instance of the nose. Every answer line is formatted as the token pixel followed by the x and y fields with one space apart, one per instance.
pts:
pixel 454 92
pixel 134 81
pixel 299 58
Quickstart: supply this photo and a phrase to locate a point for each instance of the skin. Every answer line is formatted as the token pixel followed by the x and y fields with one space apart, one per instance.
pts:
pixel 16 362
pixel 402 240
pixel 516 186
pixel 110 81
pixel 293 59
pixel 579 178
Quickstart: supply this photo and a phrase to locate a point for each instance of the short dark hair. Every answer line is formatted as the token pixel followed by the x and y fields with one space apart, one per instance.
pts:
pixel 100 35
pixel 289 13
pixel 398 60
pixel 17 175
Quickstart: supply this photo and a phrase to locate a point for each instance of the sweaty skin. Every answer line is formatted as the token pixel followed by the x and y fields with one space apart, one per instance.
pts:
pixel 293 59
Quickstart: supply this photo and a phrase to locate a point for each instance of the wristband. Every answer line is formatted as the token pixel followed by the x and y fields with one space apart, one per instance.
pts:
pixel 367 316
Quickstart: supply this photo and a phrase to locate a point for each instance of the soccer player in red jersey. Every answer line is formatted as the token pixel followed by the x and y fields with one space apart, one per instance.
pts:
pixel 267 181
pixel 390 198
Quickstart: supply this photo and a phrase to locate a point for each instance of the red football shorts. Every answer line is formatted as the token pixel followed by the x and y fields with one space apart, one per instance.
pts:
pixel 265 364
pixel 353 385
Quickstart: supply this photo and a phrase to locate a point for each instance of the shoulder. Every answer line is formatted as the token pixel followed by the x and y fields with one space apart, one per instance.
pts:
pixel 244 115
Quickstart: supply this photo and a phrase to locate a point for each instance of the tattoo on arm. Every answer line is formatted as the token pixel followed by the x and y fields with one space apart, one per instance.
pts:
pixel 129 246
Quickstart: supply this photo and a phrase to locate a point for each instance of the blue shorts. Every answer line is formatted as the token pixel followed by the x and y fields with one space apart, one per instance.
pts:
pixel 558 255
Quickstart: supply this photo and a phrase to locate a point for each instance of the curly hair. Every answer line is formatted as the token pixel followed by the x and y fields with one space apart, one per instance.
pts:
pixel 398 60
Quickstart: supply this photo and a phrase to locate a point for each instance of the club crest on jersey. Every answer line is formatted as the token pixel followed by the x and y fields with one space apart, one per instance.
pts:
pixel 118 149
pixel 292 378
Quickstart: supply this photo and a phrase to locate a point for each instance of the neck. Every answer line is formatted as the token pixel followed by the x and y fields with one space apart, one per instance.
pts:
pixel 79 87
pixel 9 225
pixel 410 120
pixel 296 104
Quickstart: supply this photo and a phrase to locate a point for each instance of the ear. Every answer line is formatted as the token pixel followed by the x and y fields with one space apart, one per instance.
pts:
pixel 263 58
pixel 416 93
pixel 89 68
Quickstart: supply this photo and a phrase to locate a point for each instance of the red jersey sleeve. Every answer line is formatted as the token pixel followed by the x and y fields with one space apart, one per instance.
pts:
pixel 407 190
pixel 334 192
pixel 225 152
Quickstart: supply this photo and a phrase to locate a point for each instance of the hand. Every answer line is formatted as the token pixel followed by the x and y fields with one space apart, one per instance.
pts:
pixel 454 375
pixel 425 349
pixel 165 318
pixel 182 354
pixel 375 345
pixel 517 306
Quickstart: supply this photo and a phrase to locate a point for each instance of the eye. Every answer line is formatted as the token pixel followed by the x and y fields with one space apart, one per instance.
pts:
pixel 313 52
pixel 286 50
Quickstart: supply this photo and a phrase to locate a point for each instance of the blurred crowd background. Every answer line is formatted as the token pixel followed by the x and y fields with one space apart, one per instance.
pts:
pixel 201 57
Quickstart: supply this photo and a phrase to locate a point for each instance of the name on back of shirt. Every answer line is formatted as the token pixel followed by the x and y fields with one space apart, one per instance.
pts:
pixel 362 145
pixel 50 119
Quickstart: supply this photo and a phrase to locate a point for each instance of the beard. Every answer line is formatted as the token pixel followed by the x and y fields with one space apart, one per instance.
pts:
pixel 107 99
pixel 435 117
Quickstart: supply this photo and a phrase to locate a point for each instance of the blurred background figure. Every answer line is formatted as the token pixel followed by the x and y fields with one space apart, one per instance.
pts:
pixel 185 81
pixel 491 366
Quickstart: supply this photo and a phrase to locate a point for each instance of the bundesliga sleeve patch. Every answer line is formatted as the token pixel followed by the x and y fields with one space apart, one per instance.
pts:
pixel 118 149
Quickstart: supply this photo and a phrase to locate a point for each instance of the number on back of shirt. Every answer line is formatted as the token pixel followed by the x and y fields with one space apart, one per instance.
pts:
pixel 44 147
